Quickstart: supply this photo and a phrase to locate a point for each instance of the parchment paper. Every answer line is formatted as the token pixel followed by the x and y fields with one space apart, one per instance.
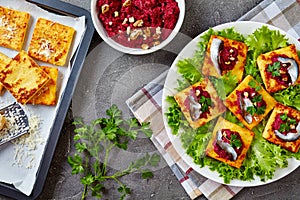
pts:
pixel 20 167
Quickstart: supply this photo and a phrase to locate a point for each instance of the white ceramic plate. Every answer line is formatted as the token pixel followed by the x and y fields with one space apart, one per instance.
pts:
pixel 135 51
pixel 244 28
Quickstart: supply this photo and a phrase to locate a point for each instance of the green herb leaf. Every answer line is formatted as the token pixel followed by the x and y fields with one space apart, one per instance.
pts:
pixel 274 69
pixel 147 174
pixel 251 110
pixel 257 98
pixel 283 117
pixel 205 103
pixel 235 141
pixel 253 84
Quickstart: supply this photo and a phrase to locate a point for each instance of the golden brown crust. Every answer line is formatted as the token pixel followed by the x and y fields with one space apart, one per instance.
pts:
pixel 13 28
pixel 23 77
pixel 232 104
pixel 246 136
pixel 208 68
pixel 271 84
pixel 4 60
pixel 51 42
pixel 218 109
pixel 47 95
pixel 269 134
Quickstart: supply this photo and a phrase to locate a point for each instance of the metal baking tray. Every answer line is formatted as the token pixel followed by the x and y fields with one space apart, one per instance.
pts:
pixel 77 61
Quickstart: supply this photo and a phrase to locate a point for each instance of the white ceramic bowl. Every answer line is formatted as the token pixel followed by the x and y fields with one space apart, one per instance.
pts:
pixel 135 51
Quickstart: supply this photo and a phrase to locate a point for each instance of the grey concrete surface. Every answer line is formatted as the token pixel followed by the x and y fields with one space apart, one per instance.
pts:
pixel 121 78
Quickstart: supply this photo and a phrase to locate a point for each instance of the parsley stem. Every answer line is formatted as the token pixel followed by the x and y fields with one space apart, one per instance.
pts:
pixel 84 193
pixel 107 150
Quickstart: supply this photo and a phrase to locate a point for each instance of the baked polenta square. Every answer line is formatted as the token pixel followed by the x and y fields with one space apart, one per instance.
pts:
pixel 23 77
pixel 47 95
pixel 200 103
pixel 13 28
pixel 283 128
pixel 229 143
pixel 224 55
pixel 279 69
pixel 51 42
pixel 249 102
pixel 4 60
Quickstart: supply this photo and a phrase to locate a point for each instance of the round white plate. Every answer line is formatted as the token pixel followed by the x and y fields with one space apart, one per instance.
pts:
pixel 245 28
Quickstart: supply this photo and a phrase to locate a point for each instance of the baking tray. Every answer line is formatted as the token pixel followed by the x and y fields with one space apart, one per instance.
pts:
pixel 77 61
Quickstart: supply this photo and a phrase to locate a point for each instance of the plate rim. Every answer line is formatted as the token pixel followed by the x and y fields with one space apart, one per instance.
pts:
pixel 205 171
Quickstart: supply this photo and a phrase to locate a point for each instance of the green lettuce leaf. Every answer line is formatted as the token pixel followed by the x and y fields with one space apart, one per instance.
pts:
pixel 289 96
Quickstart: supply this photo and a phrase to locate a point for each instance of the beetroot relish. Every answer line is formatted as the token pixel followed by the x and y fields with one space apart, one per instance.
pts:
pixel 284 78
pixel 152 13
pixel 228 58
pixel 197 98
pixel 221 152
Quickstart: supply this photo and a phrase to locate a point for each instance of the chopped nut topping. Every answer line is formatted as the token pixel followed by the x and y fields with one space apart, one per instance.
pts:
pixel 128 30
pixel 227 63
pixel 246 94
pixel 158 31
pixel 145 46
pixel 197 92
pixel 292 126
pixel 135 34
pixel 124 21
pixel 131 19
pixel 232 58
pixel 147 31
pixel 110 23
pixel 116 13
pixel 127 3
pixel 105 8
pixel 281 71
pixel 156 36
pixel 138 23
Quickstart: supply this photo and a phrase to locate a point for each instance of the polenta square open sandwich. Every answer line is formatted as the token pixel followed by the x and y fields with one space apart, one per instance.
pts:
pixel 280 68
pixel 224 55
pixel 13 28
pixel 51 42
pixel 200 103
pixel 283 128
pixel 23 77
pixel 249 102
pixel 229 143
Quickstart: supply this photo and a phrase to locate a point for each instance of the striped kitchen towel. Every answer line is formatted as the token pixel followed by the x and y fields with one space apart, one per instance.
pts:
pixel 146 104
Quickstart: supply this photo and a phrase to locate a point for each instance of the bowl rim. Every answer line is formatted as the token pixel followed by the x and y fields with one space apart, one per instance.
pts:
pixel 136 51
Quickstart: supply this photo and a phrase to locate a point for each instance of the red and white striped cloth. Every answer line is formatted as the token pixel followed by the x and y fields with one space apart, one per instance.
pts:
pixel 146 104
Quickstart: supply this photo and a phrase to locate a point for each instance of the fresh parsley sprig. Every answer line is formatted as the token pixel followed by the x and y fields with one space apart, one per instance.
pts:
pixel 96 140
pixel 274 69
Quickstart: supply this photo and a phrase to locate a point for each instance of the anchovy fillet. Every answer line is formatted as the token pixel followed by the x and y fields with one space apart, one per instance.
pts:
pixel 246 103
pixel 214 53
pixel 293 69
pixel 289 136
pixel 195 108
pixel 225 146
